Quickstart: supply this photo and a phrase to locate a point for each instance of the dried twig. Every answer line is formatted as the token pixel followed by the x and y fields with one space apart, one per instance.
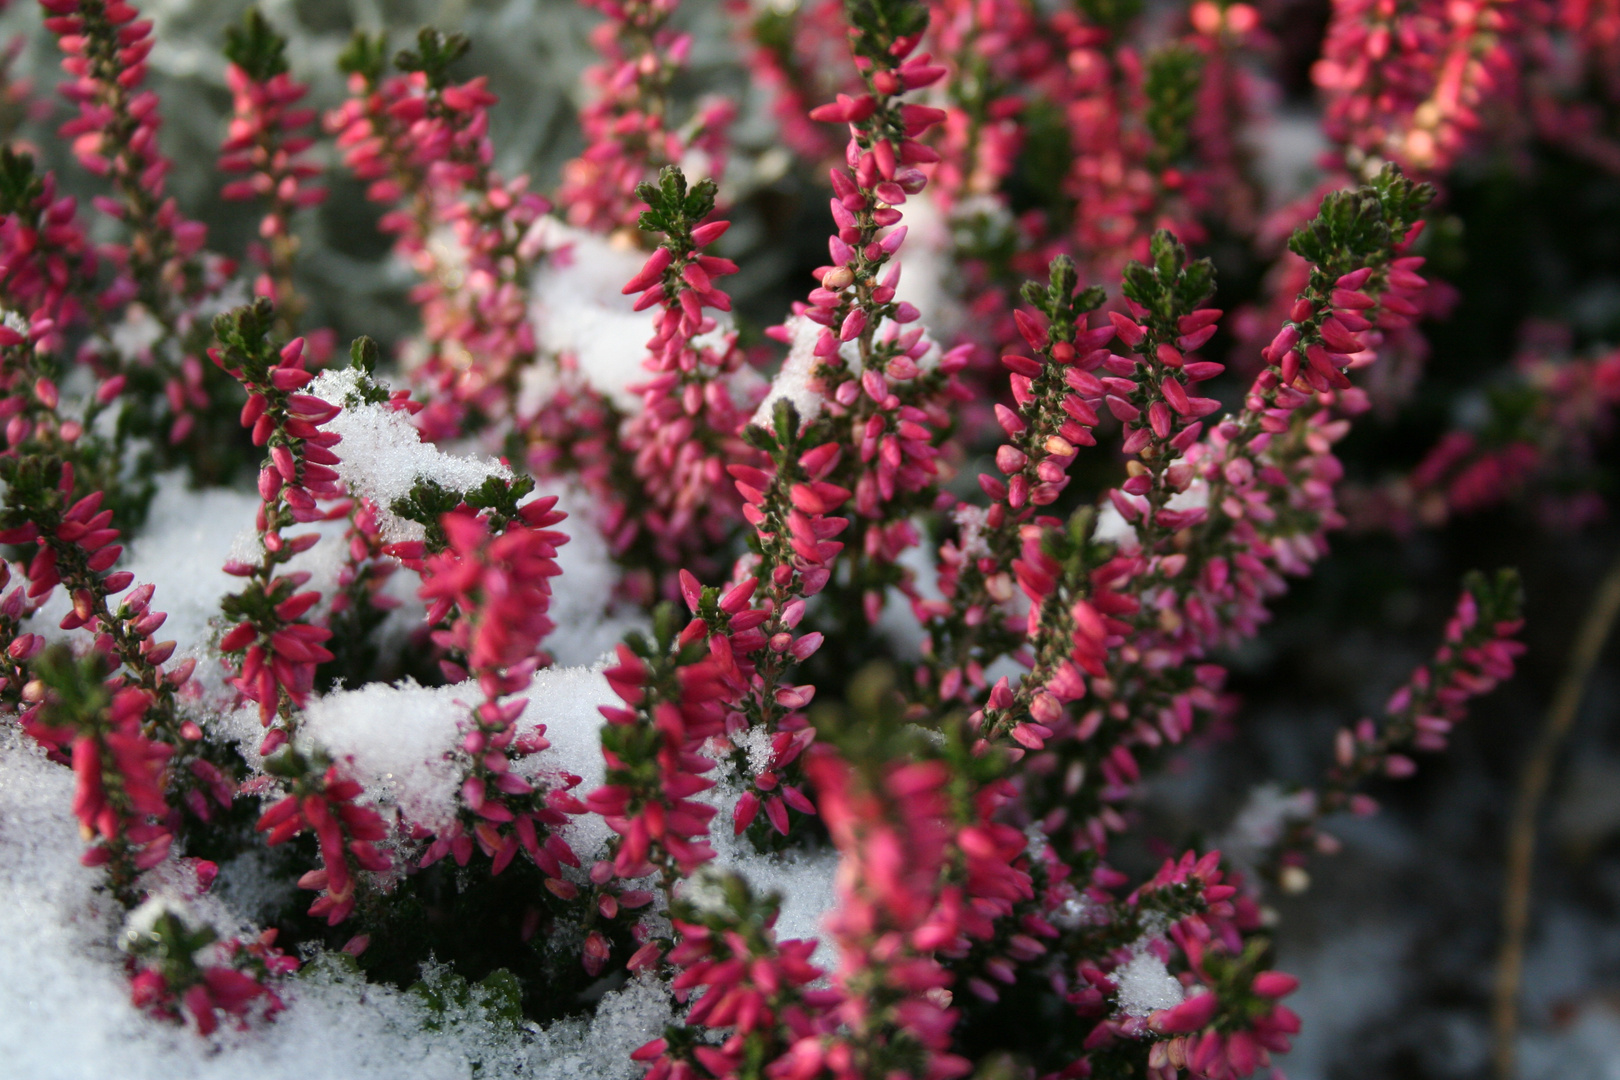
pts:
pixel 1521 847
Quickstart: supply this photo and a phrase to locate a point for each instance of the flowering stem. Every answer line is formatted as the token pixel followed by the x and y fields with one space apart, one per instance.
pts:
pixel 118 140
pixel 265 141
pixel 1477 653
pixel 1056 398
pixel 77 548
pixel 280 649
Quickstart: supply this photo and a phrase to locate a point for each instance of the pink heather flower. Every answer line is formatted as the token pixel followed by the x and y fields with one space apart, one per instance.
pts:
pixel 119 783
pixel 1410 83
pixel 115 135
pixel 228 976
pixel 628 135
pixel 659 827
pixel 1572 408
pixel 47 264
pixel 280 650
pixel 266 140
pixel 969 861
pixel 893 416
pixel 894 840
pixel 346 831
pixel 499 587
pixel 490 595
pixel 687 429
pixel 423 146
pixel 812 67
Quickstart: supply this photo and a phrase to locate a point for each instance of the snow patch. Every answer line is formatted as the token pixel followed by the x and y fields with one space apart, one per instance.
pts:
pixel 383 456
pixel 1146 985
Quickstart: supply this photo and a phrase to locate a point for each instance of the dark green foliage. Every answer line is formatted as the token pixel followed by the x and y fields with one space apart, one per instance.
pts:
pixel 364 354
pixel 434 53
pixel 781 437
pixel 740 908
pixel 1112 15
pixel 500 497
pixel 878 24
pixel 1355 226
pixel 1174 74
pixel 1500 597
pixel 20 186
pixel 169 946
pixel 78 693
pixel 256 603
pixel 497 998
pixel 1043 165
pixel 636 746
pixel 430 500
pixel 256 48
pixel 672 209
pixel 244 340
pixel 31 489
pixel 1063 307
pixel 1171 286
pixel 366 56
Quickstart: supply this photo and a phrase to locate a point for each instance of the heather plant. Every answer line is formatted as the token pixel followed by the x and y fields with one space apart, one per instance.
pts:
pixel 685 654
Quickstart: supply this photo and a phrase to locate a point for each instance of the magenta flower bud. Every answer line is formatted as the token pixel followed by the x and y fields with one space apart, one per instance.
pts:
pixel 1274 984
pixel 704 235
pixel 109 390
pixel 289 378
pixel 651 272
pixel 281 455
pixel 806 646
pixel 1010 421
pixel 1285 340
pixel 854 323
pixel 45 391
pixel 1191 1015
pixel 1128 330
pixel 25 647
pixel 1010 459
pixel 1355 279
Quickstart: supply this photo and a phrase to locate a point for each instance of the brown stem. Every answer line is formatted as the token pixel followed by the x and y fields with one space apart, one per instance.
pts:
pixel 1521 847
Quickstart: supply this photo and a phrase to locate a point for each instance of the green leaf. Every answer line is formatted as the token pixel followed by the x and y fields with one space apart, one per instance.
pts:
pixel 760 438
pixel 786 420
pixel 435 52
pixel 20 187
pixel 1174 74
pixel 877 24
pixel 1112 15
pixel 256 48
pixel 365 56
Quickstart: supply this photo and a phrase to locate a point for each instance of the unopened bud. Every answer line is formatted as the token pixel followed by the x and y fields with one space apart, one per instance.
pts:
pixel 839 277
